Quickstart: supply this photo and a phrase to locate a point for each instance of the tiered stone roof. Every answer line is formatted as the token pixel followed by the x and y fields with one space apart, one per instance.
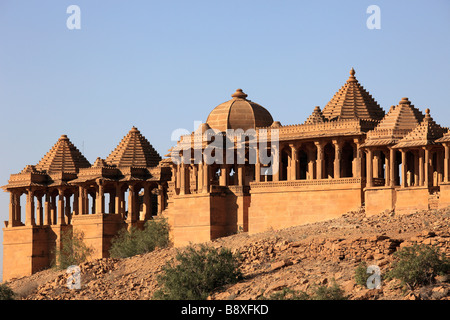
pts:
pixel 134 151
pixel 352 101
pixel 397 123
pixel 316 117
pixel 63 157
pixel 239 113
pixel 445 138
pixel 424 134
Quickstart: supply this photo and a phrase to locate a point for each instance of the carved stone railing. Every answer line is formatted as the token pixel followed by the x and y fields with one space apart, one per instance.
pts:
pixel 300 183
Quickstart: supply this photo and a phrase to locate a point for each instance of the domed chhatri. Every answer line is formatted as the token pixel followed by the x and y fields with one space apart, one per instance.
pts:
pixel 239 113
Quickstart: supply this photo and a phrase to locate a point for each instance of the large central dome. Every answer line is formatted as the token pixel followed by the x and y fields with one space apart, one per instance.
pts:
pixel 239 113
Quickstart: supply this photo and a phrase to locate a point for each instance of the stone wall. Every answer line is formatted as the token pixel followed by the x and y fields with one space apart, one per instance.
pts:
pixel 201 217
pixel 411 199
pixel 379 199
pixel 287 203
pixel 444 196
pixel 29 249
pixel 98 231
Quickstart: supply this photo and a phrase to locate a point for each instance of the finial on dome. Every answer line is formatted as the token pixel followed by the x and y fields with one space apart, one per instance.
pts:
pixel 404 100
pixel 316 109
pixel 63 137
pixel 352 75
pixel 239 94
pixel 427 113
pixel 134 129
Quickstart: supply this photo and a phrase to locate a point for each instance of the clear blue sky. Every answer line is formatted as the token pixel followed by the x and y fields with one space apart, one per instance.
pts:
pixel 160 65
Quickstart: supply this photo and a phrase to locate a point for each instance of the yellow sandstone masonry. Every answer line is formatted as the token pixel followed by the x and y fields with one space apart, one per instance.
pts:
pixel 348 155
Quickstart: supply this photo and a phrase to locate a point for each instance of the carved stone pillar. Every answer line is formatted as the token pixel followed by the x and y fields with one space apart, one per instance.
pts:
pixel 147 203
pixel 29 216
pixel 240 174
pixel 257 167
pixel 160 199
pixel 276 157
pixel 61 216
pixel 416 168
pixel 100 201
pixel 81 201
pixel 421 163
pixel 178 176
pixel 337 159
pixel 68 209
pixel 223 179
pixel 182 178
pixel 39 211
pixel 294 162
pixel 392 165
pixel 439 162
pixel 47 210
pixel 200 179
pixel 358 159
pixel 387 169
pixel 369 171
pixel 319 160
pixel 193 180
pixel 206 172
pixel 12 209
pixel 376 164
pixel 131 204
pixel 118 200
pixel 426 168
pixel 404 169
pixel 446 162
pixel 86 200
pixel 174 174
pixel 311 164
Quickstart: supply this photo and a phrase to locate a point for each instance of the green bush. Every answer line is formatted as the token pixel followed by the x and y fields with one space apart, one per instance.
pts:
pixel 418 265
pixel 361 275
pixel 320 292
pixel 6 292
pixel 197 272
pixel 333 292
pixel 73 250
pixel 288 294
pixel 134 242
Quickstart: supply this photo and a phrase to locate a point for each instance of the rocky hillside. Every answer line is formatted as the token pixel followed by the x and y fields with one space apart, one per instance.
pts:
pixel 298 258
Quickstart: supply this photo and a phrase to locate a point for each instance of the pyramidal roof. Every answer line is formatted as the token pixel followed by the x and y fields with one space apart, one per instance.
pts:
pixel 134 151
pixel 397 123
pixel 315 117
pixel 352 101
pixel 402 116
pixel 63 157
pixel 424 134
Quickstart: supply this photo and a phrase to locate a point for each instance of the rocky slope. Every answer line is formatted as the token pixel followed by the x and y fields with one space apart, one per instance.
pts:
pixel 297 258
